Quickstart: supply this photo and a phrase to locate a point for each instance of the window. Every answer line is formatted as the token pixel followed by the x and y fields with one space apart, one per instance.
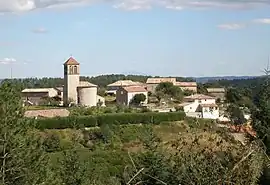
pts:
pixel 70 70
pixel 190 107
pixel 75 70
pixel 205 100
pixel 200 101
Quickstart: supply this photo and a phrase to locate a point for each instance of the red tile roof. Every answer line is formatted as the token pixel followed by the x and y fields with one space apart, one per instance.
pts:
pixel 135 89
pixel 71 61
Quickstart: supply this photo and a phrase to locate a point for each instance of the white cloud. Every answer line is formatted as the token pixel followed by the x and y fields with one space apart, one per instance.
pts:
pixel 6 61
pixel 232 26
pixel 40 30
pixel 134 5
pixel 262 21
pixel 27 5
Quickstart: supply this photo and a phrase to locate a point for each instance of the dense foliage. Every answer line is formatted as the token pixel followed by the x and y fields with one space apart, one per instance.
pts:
pixel 185 153
pixel 168 89
pixel 138 98
pixel 261 113
pixel 118 119
pixel 21 153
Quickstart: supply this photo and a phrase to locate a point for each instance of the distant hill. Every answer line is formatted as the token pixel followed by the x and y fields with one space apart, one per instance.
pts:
pixel 217 78
pixel 104 80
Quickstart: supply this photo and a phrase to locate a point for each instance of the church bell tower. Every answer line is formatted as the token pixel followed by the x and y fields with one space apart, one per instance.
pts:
pixel 71 81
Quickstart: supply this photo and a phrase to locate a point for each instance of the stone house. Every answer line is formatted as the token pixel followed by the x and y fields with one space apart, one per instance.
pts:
pixel 112 88
pixel 124 95
pixel 152 83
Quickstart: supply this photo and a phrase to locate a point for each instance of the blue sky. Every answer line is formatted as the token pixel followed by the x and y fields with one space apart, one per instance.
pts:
pixel 169 38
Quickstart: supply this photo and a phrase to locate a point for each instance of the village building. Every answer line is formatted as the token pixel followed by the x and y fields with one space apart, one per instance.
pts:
pixel 124 95
pixel 35 96
pixel 112 88
pixel 152 83
pixel 218 93
pixel 201 106
pixel 187 86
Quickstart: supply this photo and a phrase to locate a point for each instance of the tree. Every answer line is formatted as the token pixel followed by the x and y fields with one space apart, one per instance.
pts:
pixel 236 115
pixel 261 113
pixel 70 168
pixel 188 92
pixel 201 89
pixel 261 120
pixel 239 96
pixel 169 89
pixel 72 172
pixel 138 98
pixel 101 91
pixel 22 157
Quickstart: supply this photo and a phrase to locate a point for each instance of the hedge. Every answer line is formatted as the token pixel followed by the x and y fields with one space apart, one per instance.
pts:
pixel 115 118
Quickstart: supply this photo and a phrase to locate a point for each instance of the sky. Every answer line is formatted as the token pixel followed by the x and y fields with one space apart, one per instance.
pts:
pixel 155 37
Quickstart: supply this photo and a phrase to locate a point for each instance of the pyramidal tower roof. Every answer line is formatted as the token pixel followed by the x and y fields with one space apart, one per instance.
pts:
pixel 71 61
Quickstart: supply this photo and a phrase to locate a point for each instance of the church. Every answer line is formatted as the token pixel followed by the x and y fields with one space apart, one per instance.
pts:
pixel 74 91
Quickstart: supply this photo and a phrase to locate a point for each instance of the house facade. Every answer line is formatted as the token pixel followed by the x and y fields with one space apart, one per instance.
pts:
pixel 201 106
pixel 187 86
pixel 152 83
pixel 124 95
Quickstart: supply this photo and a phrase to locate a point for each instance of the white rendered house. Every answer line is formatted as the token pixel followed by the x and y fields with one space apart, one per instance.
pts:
pixel 201 106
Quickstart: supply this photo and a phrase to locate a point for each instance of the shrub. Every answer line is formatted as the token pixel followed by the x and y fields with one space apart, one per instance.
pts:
pixel 114 118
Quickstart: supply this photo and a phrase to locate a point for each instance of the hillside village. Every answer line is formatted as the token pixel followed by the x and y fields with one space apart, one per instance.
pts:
pixel 79 93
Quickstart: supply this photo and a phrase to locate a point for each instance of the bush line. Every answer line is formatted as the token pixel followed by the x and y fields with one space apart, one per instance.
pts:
pixel 114 118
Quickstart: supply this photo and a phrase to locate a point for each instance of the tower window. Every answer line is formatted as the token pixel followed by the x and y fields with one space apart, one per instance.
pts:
pixel 70 69
pixel 75 70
